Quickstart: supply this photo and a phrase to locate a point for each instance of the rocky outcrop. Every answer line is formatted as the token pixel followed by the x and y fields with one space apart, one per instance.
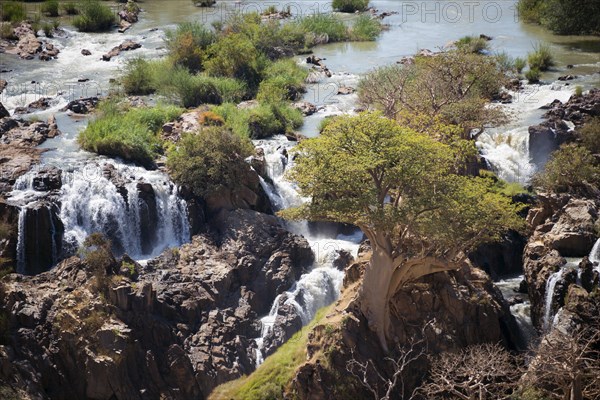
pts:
pixel 18 154
pixel 127 45
pixel 461 308
pixel 561 124
pixel 174 328
pixel 3 111
pixel 502 258
pixel 39 105
pixel 563 226
pixel 128 15
pixel 82 106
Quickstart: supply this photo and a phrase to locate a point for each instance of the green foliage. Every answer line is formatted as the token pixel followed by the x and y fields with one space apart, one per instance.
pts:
pixel 472 44
pixel 70 8
pixel 50 8
pixel 262 121
pixel 460 84
pixel 533 75
pixel 235 56
pixel 48 30
pixel 210 160
pixel 566 17
pixel 395 182
pixel 365 28
pixel 269 380
pixel 590 135
pixel 325 24
pixel 13 11
pixel 138 77
pixel 505 62
pixel 509 189
pixel 568 169
pixel 520 64
pixel 187 43
pixel 578 91
pixel 350 6
pixel 541 58
pixel 94 17
pixel 128 134
pixel 97 256
pixel 284 80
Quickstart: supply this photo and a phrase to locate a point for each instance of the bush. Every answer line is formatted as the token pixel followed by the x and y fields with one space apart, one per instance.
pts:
pixel 209 160
pixel 520 64
pixel 50 8
pixel 472 44
pixel 95 17
pixel 325 24
pixel 541 58
pixel 262 121
pixel 284 80
pixel 235 56
pixel 533 75
pixel 590 135
pixel 350 6
pixel 128 134
pixel 187 43
pixel 566 17
pixel 13 11
pixel 138 78
pixel 191 90
pixel 209 118
pixel 365 28
pixel 70 8
pixel 578 91
pixel 48 30
pixel 568 169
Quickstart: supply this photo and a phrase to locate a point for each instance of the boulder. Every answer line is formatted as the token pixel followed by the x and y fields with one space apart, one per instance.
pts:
pixel 287 322
pixel 40 104
pixel 47 178
pixel 82 106
pixel 86 52
pixel 305 107
pixel 127 45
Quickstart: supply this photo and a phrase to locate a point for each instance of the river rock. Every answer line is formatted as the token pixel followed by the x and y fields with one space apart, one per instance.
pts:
pixel 344 90
pixel 3 85
pixel 26 133
pixel 305 107
pixel 82 106
pixel 287 322
pixel 3 111
pixel 86 52
pixel 127 45
pixel 38 105
pixel 47 178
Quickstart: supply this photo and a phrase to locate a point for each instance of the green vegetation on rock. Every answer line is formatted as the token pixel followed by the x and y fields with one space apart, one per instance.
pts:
pixel 94 17
pixel 350 6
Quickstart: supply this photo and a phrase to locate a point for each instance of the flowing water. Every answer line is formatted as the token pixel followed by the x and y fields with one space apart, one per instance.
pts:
pixel 416 25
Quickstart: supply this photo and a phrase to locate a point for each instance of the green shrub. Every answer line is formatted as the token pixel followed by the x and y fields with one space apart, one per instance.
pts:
pixel 187 43
pixel 533 75
pixel 578 91
pixel 325 24
pixel 209 160
pixel 541 58
pixel 365 29
pixel 70 8
pixel 568 169
pixel 590 135
pixel 50 8
pixel 350 6
pixel 13 11
pixel 235 56
pixel 520 64
pixel 138 77
pixel 565 17
pixel 128 134
pixel 48 30
pixel 262 121
pixel 94 17
pixel 7 31
pixel 472 44
pixel 284 80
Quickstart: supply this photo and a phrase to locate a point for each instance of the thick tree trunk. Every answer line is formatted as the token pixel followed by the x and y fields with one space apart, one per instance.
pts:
pixel 374 301
pixel 576 391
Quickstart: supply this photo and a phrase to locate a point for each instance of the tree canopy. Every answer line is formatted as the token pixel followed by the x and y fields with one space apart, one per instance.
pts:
pixel 401 188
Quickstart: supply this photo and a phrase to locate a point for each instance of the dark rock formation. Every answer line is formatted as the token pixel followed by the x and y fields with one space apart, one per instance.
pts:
pixel 175 328
pixel 82 106
pixel 127 45
pixel 86 52
pixel 287 323
pixel 40 104
pixel 501 258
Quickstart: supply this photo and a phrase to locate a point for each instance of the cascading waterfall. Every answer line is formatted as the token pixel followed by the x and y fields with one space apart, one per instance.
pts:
pixel 94 204
pixel 321 286
pixel 595 255
pixel 550 286
pixel 21 241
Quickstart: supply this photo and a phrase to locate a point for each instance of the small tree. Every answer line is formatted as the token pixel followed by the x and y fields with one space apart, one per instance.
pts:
pixel 399 188
pixel 209 160
pixel 479 372
pixel 569 169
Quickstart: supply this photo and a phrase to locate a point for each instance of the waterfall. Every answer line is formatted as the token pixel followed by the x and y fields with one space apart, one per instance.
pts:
pixel 21 241
pixel 321 286
pixel 93 203
pixel 595 255
pixel 550 286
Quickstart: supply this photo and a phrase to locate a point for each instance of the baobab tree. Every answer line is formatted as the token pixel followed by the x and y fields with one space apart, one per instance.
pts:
pixel 400 187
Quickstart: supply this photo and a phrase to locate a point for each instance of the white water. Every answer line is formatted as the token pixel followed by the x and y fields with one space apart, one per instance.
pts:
pixel 321 286
pixel 89 203
pixel 595 255
pixel 521 311
pixel 506 148
pixel 550 286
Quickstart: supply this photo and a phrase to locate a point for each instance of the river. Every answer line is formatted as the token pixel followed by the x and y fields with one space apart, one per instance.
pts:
pixel 415 25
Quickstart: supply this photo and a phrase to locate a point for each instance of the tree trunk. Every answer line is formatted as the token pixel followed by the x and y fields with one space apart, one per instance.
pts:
pixel 374 301
pixel 576 391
